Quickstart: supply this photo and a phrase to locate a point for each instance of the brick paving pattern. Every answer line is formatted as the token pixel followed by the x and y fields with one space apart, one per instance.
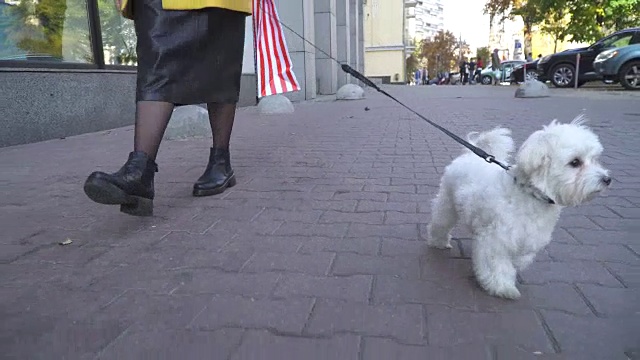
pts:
pixel 319 251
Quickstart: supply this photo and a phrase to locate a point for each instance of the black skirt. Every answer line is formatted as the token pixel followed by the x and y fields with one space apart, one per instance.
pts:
pixel 188 57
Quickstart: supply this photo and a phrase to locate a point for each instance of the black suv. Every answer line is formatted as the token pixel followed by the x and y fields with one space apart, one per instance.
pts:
pixel 560 68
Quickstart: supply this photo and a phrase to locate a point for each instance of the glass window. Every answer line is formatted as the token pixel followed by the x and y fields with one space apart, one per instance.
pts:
pixel 45 30
pixel 617 40
pixel 118 35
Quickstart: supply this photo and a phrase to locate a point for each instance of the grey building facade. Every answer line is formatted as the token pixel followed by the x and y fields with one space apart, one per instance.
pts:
pixel 67 67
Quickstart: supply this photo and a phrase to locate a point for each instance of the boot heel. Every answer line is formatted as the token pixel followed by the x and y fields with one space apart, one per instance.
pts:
pixel 140 207
pixel 232 181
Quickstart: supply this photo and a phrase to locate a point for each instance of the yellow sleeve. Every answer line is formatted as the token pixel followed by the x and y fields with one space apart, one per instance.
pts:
pixel 244 6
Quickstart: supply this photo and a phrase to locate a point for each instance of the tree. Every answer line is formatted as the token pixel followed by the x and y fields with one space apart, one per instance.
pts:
pixel 591 20
pixel 577 20
pixel 440 51
pixel 555 25
pixel 483 53
pixel 412 64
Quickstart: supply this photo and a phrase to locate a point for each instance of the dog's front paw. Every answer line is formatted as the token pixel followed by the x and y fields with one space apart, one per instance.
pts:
pixel 439 242
pixel 440 245
pixel 507 292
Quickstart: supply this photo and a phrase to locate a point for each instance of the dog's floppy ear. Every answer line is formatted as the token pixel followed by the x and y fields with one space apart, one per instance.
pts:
pixel 534 153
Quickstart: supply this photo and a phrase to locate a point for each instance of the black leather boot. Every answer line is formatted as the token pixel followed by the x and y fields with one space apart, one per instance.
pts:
pixel 218 176
pixel 131 187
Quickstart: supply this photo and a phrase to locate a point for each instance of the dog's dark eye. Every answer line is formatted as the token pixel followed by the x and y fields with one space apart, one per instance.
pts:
pixel 575 163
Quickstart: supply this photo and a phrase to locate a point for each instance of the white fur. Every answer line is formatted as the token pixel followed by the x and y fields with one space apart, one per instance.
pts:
pixel 508 222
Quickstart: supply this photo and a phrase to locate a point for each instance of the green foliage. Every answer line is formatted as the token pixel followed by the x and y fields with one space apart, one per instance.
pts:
pixel 412 64
pixel 60 28
pixel 589 21
pixel 483 53
pixel 555 25
pixel 586 21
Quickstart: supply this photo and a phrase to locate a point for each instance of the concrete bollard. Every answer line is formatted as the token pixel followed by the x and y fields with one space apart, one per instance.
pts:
pixel 188 121
pixel 532 89
pixel 350 92
pixel 275 104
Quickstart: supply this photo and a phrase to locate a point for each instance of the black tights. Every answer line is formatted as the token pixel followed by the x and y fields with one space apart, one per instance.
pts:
pixel 152 118
pixel 221 118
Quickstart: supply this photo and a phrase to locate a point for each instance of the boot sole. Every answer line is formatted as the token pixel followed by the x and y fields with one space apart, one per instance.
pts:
pixel 219 190
pixel 104 192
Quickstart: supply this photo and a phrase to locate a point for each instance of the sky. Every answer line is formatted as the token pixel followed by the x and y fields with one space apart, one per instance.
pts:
pixel 466 17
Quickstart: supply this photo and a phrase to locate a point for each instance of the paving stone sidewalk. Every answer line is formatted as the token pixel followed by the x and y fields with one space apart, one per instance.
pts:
pixel 318 252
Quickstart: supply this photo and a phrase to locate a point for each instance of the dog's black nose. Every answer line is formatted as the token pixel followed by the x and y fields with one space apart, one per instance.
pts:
pixel 606 180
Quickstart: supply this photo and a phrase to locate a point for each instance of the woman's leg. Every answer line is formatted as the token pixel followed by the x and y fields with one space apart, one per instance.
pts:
pixel 132 187
pixel 221 117
pixel 152 118
pixel 218 176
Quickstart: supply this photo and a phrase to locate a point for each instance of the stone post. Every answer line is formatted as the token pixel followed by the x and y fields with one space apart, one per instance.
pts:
pixel 360 36
pixel 343 21
pixel 326 39
pixel 299 16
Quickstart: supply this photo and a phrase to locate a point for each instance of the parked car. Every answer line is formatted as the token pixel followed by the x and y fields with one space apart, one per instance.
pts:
pixel 454 78
pixel 560 67
pixel 503 72
pixel 517 75
pixel 620 65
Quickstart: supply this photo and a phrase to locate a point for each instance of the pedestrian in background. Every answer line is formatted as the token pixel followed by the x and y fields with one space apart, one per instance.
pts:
pixel 478 75
pixel 462 65
pixel 189 52
pixel 495 65
pixel 529 57
pixel 472 69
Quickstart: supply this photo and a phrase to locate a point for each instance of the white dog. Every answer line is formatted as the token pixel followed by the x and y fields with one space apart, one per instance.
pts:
pixel 511 214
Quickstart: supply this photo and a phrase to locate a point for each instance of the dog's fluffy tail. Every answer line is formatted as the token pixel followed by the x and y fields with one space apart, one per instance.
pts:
pixel 497 142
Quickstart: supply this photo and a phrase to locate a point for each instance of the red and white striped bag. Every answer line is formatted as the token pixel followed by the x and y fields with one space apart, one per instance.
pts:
pixel 274 69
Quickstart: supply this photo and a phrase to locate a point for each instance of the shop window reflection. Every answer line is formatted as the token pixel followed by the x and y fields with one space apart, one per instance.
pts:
pixel 118 35
pixel 45 30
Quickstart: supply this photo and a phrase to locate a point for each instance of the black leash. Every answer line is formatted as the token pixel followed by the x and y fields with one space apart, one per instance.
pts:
pixel 351 71
pixel 476 150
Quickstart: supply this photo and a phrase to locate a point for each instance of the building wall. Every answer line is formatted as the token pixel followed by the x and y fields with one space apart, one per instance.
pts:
pixel 382 64
pixel 248 63
pixel 543 44
pixel 40 105
pixel 429 18
pixel 43 104
pixel 384 38
pixel 383 22
pixel 299 16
